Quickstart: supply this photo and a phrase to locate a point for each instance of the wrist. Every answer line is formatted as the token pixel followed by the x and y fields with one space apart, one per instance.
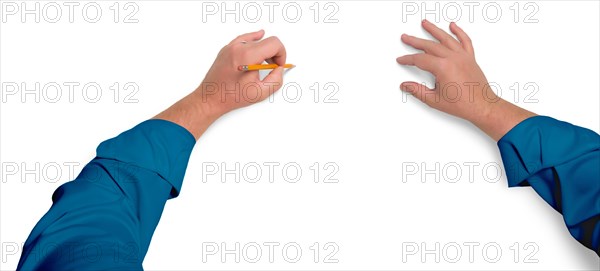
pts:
pixel 190 113
pixel 500 117
pixel 207 105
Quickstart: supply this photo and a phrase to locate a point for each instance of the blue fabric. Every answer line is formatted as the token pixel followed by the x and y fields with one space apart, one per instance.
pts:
pixel 561 162
pixel 105 218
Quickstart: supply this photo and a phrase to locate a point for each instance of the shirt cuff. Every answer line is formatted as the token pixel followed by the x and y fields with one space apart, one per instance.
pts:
pixel 157 145
pixel 540 142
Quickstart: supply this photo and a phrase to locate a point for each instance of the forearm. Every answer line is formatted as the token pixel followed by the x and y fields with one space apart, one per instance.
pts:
pixel 119 196
pixel 114 204
pixel 560 161
pixel 191 113
pixel 499 118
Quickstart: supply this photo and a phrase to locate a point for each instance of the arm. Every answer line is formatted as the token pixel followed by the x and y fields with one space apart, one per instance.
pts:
pixel 453 64
pixel 559 160
pixel 105 218
pixel 225 88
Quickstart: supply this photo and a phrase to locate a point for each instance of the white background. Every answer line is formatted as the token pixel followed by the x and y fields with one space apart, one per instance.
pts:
pixel 373 134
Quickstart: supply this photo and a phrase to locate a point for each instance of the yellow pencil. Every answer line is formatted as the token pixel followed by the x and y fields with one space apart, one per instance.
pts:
pixel 262 67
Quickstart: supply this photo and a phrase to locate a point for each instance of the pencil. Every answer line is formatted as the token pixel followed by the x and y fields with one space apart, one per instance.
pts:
pixel 262 67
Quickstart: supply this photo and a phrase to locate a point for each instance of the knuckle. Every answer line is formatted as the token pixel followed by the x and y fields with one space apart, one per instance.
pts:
pixel 444 62
pixel 275 38
pixel 445 65
pixel 276 41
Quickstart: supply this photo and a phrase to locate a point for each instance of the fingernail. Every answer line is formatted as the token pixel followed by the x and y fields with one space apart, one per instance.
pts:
pixel 403 87
pixel 424 21
pixel 407 88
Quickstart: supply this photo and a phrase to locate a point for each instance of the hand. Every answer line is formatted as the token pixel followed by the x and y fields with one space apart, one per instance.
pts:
pixel 225 88
pixel 461 88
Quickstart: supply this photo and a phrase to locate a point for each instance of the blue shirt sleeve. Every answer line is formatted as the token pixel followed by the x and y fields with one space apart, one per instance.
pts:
pixel 561 162
pixel 105 218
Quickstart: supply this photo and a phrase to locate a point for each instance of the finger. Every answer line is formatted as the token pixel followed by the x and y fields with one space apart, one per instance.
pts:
pixel 441 35
pixel 252 36
pixel 462 37
pixel 420 91
pixel 430 47
pixel 273 81
pixel 422 61
pixel 271 48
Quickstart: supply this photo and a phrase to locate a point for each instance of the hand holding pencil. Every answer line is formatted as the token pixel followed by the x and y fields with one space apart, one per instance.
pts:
pixel 230 82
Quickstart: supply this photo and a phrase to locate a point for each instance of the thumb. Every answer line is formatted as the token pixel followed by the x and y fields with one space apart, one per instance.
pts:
pixel 421 92
pixel 273 81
